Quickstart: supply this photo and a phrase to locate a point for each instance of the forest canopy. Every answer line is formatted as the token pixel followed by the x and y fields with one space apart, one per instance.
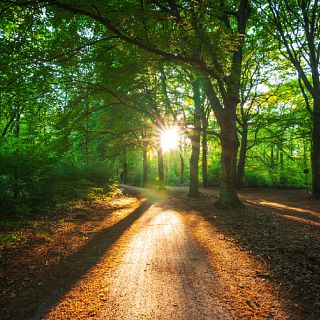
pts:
pixel 88 91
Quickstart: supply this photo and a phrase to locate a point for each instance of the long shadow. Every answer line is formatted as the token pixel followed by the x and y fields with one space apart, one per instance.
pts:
pixel 289 248
pixel 286 208
pixel 59 279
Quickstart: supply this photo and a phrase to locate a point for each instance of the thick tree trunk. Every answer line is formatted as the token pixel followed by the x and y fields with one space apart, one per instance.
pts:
pixel 145 165
pixel 229 144
pixel 315 155
pixel 194 165
pixel 226 115
pixel 195 142
pixel 204 153
pixel 242 156
pixel 160 167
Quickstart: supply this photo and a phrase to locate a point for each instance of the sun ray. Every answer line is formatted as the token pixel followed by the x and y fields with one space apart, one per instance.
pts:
pixel 169 138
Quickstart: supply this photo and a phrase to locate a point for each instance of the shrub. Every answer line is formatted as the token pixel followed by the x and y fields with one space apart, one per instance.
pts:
pixel 31 180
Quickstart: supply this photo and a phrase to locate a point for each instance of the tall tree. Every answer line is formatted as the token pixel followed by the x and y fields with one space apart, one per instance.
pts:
pixel 218 61
pixel 205 115
pixel 195 140
pixel 297 25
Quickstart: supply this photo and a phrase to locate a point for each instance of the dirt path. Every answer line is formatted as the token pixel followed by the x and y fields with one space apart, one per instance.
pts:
pixel 164 275
pixel 171 257
pixel 171 264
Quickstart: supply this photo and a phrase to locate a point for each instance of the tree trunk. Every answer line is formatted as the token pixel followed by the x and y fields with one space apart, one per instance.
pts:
pixel 194 163
pixel 315 150
pixel 272 158
pixel 226 114
pixel 181 166
pixel 167 168
pixel 7 126
pixel 281 161
pixel 86 136
pixel 204 153
pixel 305 155
pixel 145 165
pixel 124 178
pixel 229 144
pixel 195 142
pixel 160 167
pixel 242 156
pixel 175 166
pixel 16 133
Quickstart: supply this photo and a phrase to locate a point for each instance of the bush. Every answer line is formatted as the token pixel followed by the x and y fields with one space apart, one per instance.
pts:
pixel 256 179
pixel 214 174
pixel 31 180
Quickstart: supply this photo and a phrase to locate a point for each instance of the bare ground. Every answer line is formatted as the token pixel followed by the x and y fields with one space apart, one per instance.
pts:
pixel 169 257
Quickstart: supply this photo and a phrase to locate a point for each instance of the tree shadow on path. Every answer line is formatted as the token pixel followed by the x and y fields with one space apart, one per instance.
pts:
pixel 59 279
pixel 284 234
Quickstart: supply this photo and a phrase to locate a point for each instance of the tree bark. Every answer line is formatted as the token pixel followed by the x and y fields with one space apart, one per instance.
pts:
pixel 225 112
pixel 272 158
pixel 16 133
pixel 86 137
pixel 315 149
pixel 194 163
pixel 204 145
pixel 195 142
pixel 226 118
pixel 124 178
pixel 229 144
pixel 305 156
pixel 181 166
pixel 6 128
pixel 145 165
pixel 242 155
pixel 281 161
pixel 160 167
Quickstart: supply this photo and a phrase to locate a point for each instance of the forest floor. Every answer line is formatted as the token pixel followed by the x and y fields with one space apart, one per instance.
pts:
pixel 162 255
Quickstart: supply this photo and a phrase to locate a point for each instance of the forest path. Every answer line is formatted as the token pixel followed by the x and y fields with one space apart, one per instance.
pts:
pixel 162 255
pixel 165 261
pixel 164 274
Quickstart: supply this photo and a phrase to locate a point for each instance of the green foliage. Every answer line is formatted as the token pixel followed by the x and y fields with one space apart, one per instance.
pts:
pixel 31 180
pixel 77 103
pixel 214 173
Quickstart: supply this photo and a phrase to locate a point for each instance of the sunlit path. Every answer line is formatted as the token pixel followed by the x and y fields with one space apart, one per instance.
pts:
pixel 159 259
pixel 164 275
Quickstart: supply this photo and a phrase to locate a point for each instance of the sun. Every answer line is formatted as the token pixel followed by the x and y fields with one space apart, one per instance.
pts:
pixel 169 138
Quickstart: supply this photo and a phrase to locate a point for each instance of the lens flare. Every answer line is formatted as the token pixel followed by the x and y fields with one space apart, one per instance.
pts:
pixel 170 139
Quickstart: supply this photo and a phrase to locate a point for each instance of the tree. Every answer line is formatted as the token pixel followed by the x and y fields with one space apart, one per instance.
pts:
pixel 205 115
pixel 221 68
pixel 297 25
